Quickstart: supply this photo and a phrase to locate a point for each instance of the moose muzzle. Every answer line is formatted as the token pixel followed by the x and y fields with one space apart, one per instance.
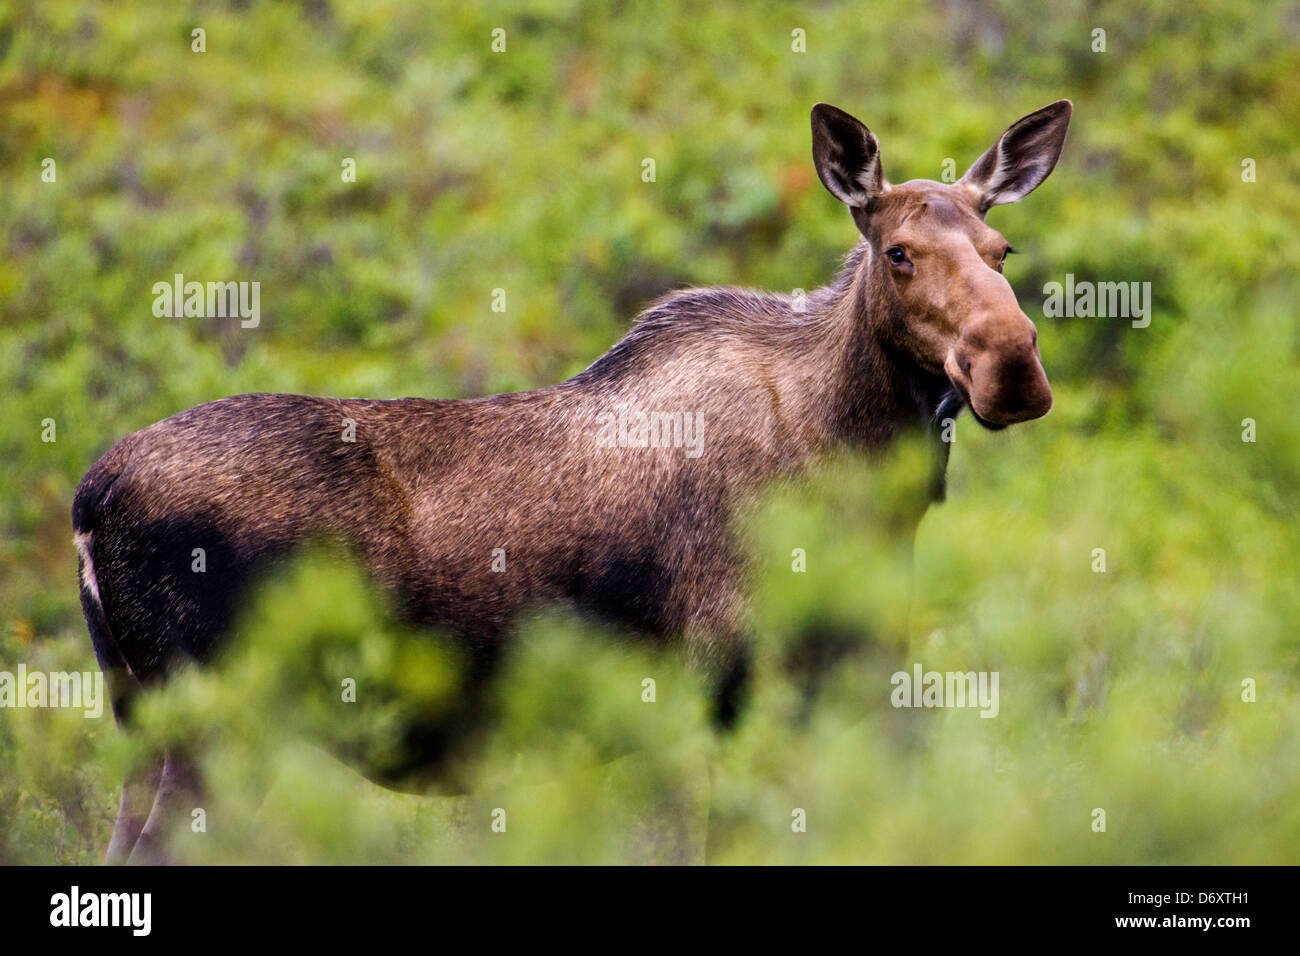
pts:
pixel 996 366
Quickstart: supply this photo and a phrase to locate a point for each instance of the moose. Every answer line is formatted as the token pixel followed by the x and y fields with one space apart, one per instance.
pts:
pixel 918 324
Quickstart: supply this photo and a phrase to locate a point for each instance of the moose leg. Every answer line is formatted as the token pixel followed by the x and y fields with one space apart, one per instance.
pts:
pixel 138 791
pixel 731 682
pixel 178 791
pixel 719 645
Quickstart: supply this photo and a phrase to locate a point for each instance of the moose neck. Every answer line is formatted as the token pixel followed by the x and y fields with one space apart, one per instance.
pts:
pixel 874 389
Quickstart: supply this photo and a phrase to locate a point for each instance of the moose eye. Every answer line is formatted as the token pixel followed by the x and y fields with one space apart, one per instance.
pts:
pixel 896 255
pixel 1003 261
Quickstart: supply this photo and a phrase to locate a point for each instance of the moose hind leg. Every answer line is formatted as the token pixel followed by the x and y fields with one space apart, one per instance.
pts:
pixel 178 793
pixel 138 790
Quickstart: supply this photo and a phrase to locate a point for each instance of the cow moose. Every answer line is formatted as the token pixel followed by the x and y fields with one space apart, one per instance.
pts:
pixel 918 324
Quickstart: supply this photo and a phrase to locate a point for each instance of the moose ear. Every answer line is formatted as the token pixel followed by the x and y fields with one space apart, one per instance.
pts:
pixel 1021 158
pixel 846 155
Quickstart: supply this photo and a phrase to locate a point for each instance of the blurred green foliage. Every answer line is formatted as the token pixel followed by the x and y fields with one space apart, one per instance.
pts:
pixel 522 170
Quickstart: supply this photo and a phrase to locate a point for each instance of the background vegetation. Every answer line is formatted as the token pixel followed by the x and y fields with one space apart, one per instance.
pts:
pixel 522 170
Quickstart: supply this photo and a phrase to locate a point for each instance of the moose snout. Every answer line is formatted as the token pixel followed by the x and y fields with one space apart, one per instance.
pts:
pixel 996 365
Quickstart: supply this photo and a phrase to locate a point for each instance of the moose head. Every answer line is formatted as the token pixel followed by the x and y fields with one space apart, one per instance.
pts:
pixel 940 264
